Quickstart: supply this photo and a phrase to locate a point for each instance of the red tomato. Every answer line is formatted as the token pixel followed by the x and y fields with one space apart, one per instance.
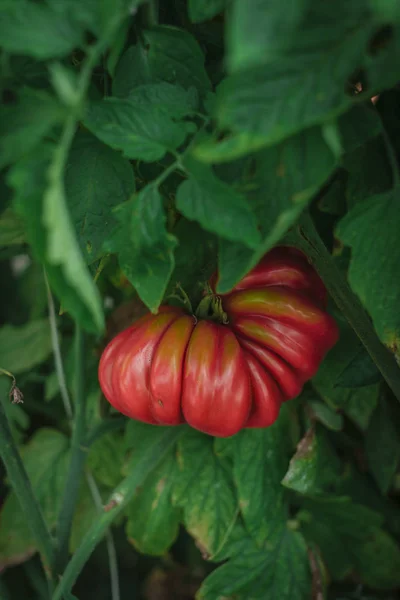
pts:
pixel 219 378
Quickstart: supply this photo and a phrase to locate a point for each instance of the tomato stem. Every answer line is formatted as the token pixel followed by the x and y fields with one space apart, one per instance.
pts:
pixel 211 308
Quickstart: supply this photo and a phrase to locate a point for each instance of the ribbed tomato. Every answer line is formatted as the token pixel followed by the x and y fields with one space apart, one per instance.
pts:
pixel 171 368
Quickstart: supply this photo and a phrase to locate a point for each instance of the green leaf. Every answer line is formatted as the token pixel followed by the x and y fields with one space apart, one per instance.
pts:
pixel 37 30
pixel 203 10
pixel 12 231
pixel 358 125
pixel 153 522
pixel 25 124
pixel 137 128
pixel 323 413
pixel 350 538
pixel 377 561
pixel 46 459
pixel 145 249
pixel 24 347
pixel 357 403
pixel 260 461
pixel 259 32
pixel 97 179
pixel 204 491
pixel 276 95
pixel 369 171
pixel 94 15
pixel 382 445
pixel 85 515
pixel 376 283
pixel 279 572
pixel 195 259
pixel 216 206
pixel 175 56
pixel 339 527
pixel 105 459
pixel 360 371
pixel 170 55
pixel 132 70
pixel 315 467
pixel 42 205
pixel 278 183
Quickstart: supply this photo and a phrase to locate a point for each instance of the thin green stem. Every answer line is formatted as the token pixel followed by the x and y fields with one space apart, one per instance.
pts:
pixel 306 238
pixel 122 494
pixel 22 487
pixel 57 352
pixel 77 461
pixel 112 554
pixel 161 178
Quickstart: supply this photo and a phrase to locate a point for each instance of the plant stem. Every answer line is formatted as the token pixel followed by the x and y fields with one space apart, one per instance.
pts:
pixel 77 461
pixel 122 494
pixel 306 238
pixel 20 483
pixel 112 554
pixel 57 352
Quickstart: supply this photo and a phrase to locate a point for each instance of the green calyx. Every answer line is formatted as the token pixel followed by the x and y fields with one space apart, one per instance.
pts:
pixel 211 308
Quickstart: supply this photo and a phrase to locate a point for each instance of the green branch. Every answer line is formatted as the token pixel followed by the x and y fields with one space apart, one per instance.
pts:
pixel 21 485
pixel 307 239
pixel 122 494
pixel 77 462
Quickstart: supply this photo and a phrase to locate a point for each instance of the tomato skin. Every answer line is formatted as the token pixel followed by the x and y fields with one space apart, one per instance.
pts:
pixel 169 368
pixel 166 373
pixel 284 266
pixel 216 396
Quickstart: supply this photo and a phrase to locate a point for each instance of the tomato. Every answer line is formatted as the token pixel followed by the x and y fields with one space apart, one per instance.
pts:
pixel 221 377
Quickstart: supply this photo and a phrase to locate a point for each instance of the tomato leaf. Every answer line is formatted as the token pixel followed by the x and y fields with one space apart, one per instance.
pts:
pixel 380 290
pixel 351 538
pixel 360 371
pixel 261 32
pixel 24 347
pixel 288 175
pixel 358 403
pixel 38 30
pixel 97 180
pixel 315 467
pixel 368 170
pixel 133 126
pixel 382 445
pixel 204 491
pixel 46 459
pixel 42 205
pixel 153 522
pixel 168 54
pixel 218 208
pixel 202 10
pixel 260 460
pixel 25 124
pixel 145 249
pixel 11 229
pixel 279 572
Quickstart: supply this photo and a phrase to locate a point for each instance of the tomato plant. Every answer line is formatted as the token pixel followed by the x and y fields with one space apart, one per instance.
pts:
pixel 199 340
